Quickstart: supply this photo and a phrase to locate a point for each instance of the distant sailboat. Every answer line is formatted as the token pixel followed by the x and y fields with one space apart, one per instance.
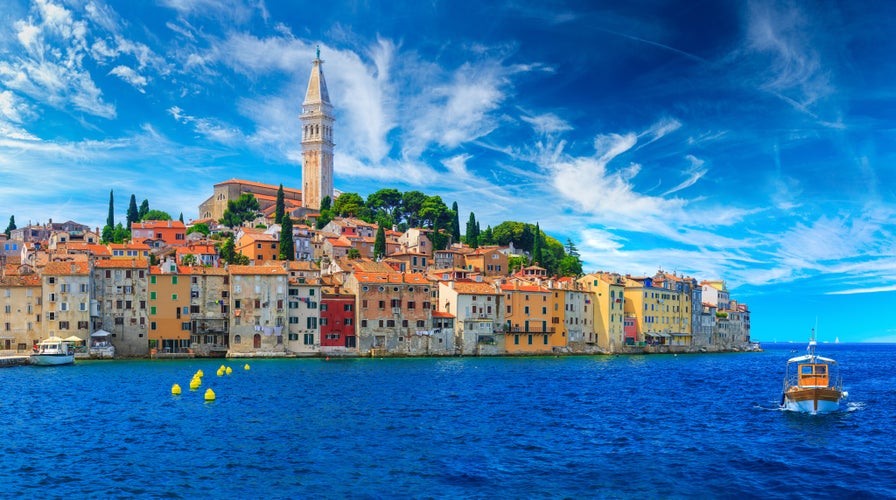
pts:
pixel 837 340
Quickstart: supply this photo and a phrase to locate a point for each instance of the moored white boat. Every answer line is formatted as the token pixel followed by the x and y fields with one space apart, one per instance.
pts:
pixel 812 383
pixel 53 351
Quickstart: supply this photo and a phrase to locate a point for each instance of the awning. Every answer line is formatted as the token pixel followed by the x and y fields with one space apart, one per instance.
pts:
pixel 54 339
pixel 74 338
pixel 100 333
pixel 658 334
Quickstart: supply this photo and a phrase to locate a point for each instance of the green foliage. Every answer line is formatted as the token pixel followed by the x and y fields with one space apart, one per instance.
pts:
pixel 108 234
pixel 199 228
pixel 280 207
pixel 326 213
pixel 537 257
pixel 243 209
pixel 121 234
pixel 350 205
pixel 487 237
pixel 570 266
pixel 515 263
pixel 188 259
pixel 181 218
pixel 353 254
pixel 110 219
pixel 156 215
pixel 228 253
pixel 434 212
pixel 10 226
pixel 133 213
pixel 411 204
pixel 287 244
pixel 144 208
pixel 472 235
pixel 384 206
pixel 520 233
pixel 379 244
pixel 455 223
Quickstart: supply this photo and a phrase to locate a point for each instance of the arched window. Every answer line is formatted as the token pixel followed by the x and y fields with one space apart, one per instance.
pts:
pixel 237 339
pixel 256 341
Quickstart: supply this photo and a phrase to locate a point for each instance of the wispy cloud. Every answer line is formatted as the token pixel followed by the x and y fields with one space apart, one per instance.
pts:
pixel 694 173
pixel 129 75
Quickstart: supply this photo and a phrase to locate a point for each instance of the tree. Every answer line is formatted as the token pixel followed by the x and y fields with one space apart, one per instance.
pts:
pixel 384 206
pixel 242 209
pixel 156 215
pixel 108 234
pixel 11 226
pixel 537 257
pixel 486 237
pixel 411 203
pixel 228 253
pixel 455 223
pixel 121 234
pixel 433 210
pixel 287 244
pixel 379 244
pixel 188 259
pixel 439 238
pixel 570 266
pixel 353 254
pixel 110 219
pixel 472 235
pixel 326 213
pixel 280 207
pixel 199 228
pixel 515 263
pixel 144 207
pixel 133 214
pixel 181 218
pixel 350 205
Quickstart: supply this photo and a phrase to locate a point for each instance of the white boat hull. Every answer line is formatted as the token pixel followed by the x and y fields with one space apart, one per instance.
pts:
pixel 52 359
pixel 812 406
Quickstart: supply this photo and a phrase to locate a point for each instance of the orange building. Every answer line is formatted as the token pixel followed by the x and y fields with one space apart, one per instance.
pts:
pixel 169 308
pixel 489 261
pixel 527 317
pixel 259 247
pixel 172 232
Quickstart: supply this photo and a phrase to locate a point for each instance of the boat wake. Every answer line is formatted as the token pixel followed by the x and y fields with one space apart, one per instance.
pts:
pixel 857 406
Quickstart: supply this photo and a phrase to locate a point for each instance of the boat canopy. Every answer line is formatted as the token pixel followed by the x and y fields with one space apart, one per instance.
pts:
pixel 809 357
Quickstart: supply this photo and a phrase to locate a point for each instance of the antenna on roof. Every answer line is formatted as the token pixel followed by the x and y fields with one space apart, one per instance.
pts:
pixel 318 51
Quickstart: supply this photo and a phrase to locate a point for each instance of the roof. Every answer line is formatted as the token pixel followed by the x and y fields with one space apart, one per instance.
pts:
pixel 317 85
pixel 209 271
pixel 20 280
pixel 67 268
pixel 440 314
pixel 253 270
pixel 122 264
pixel 507 287
pixel 411 278
pixel 258 184
pixel 474 288
pixel 153 224
pixel 338 242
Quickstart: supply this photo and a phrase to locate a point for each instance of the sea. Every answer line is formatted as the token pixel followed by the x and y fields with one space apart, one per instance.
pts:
pixel 645 426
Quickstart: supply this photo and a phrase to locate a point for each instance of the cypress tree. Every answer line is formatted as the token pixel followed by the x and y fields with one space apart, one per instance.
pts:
pixel 281 206
pixel 287 245
pixel 11 226
pixel 110 219
pixel 133 213
pixel 144 209
pixel 181 218
pixel 455 223
pixel 472 231
pixel 536 246
pixel 379 244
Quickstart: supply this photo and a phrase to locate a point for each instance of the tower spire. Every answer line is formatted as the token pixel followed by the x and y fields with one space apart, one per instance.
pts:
pixel 317 138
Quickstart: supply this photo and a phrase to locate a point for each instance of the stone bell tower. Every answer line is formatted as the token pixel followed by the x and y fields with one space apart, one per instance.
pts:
pixel 317 139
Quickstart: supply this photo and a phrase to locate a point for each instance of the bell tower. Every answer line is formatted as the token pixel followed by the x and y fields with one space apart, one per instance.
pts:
pixel 317 139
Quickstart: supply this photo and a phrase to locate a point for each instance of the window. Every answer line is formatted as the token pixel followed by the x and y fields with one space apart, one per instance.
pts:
pixel 237 339
pixel 63 325
pixel 152 325
pixel 346 307
pixel 530 339
pixel 152 295
pixel 152 280
pixel 174 280
pixel 309 339
pixel 516 340
pixel 390 323
pixel 363 304
pixel 173 296
pixel 348 321
pixel 545 340
pixel 152 310
pixel 293 336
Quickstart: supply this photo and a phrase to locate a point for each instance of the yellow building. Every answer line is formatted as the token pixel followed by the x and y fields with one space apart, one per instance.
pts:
pixel 169 308
pixel 659 312
pixel 608 308
pixel 20 311
pixel 527 317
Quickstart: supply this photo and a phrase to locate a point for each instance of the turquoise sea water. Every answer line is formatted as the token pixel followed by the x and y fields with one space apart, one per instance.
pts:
pixel 573 427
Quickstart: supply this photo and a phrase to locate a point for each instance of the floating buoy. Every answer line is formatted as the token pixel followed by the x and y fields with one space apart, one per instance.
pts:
pixel 222 367
pixel 194 384
pixel 228 371
pixel 209 395
pixel 220 372
pixel 200 373
pixel 175 389
pixel 246 367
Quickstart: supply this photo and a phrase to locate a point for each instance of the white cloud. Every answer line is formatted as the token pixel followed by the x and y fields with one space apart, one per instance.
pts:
pixel 129 75
pixel 694 174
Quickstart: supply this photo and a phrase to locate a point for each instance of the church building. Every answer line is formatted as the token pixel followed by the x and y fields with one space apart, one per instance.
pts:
pixel 317 160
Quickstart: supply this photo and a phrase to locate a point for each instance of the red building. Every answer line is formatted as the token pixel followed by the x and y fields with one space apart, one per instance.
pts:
pixel 337 319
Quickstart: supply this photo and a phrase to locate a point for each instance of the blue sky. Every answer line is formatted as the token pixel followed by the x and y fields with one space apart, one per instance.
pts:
pixel 747 141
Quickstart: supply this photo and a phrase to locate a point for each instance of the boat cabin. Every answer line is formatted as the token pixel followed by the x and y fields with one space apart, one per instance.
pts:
pixel 813 375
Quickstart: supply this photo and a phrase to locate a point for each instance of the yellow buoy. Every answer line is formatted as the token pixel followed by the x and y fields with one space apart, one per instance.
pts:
pixel 228 371
pixel 220 372
pixel 175 389
pixel 199 372
pixel 246 367
pixel 222 367
pixel 209 395
pixel 194 384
